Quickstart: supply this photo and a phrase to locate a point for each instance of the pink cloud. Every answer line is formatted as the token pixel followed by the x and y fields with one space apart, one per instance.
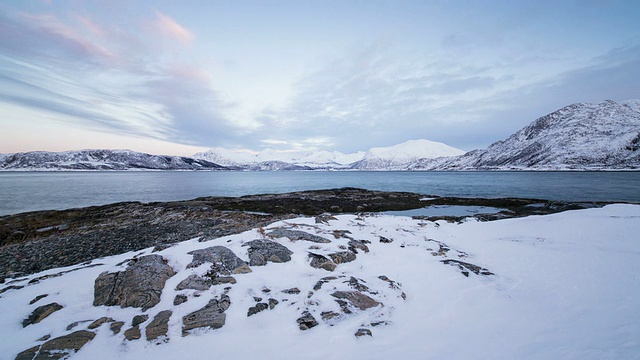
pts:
pixel 68 37
pixel 169 27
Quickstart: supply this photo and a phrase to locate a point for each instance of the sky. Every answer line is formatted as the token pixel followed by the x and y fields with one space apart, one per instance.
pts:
pixel 177 77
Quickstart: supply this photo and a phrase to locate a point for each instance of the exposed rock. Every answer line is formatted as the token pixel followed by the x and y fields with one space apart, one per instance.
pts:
pixel 257 298
pixel 306 321
pixel 257 308
pixel 323 281
pixel 355 245
pixel 76 323
pixel 356 299
pixel 355 283
pixel 140 285
pixel 224 260
pixel 265 289
pixel 161 247
pixel 328 315
pixel 139 319
pixel 384 240
pixel 342 257
pixel 132 333
pixel 40 313
pixel 28 354
pixel 261 251
pixel 294 290
pixel 212 316
pixel 272 303
pixel 194 282
pixel 37 298
pixel 295 235
pixel 320 262
pixel 116 327
pixel 363 332
pixel 324 218
pixel 44 338
pixel 466 267
pixel 179 299
pixel 159 326
pixel 60 347
pixel 99 322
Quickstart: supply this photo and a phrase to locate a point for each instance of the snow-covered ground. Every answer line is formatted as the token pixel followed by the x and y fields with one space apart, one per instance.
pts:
pixel 564 286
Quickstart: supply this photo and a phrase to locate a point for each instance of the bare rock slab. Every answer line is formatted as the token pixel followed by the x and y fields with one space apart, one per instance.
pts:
pixel 58 348
pixel 159 326
pixel 211 316
pixel 354 298
pixel 306 321
pixel 140 285
pixel 261 251
pixel 40 313
pixel 225 261
pixel 295 235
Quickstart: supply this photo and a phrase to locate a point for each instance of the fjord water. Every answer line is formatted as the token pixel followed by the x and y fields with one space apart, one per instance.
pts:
pixel 28 191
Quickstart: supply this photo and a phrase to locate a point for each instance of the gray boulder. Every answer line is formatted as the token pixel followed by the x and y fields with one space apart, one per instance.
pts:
pixel 306 321
pixel 211 316
pixel 40 313
pixel 261 251
pixel 194 282
pixel 295 235
pixel 342 257
pixel 140 285
pixel 159 326
pixel 224 260
pixel 96 324
pixel 320 262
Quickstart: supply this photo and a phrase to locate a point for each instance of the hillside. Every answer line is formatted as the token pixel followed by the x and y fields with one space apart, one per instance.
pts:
pixel 602 136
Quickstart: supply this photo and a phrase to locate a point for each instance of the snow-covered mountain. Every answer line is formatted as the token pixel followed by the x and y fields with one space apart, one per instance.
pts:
pixel 602 136
pixel 400 156
pixel 396 157
pixel 351 286
pixel 101 160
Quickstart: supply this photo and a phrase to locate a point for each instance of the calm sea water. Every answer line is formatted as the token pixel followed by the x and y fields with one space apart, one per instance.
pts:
pixel 27 191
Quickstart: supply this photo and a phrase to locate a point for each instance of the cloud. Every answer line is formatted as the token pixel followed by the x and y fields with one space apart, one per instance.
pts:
pixel 110 80
pixel 168 27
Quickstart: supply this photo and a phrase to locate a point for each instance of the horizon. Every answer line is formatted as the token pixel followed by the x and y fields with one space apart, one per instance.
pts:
pixel 176 79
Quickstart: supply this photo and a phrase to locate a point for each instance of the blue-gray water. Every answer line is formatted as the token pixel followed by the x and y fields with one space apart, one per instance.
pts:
pixel 27 191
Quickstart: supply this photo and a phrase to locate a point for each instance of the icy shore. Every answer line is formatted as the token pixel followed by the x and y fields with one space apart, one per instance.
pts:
pixel 555 286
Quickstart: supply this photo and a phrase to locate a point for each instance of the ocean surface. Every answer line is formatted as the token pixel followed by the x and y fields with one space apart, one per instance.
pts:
pixel 28 191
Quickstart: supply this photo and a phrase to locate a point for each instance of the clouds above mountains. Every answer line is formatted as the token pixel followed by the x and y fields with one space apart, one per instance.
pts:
pixel 205 75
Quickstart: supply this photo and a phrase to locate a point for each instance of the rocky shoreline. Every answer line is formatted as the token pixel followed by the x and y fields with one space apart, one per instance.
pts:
pixel 36 241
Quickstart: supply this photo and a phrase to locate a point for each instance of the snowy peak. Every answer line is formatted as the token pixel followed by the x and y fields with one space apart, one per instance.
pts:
pixel 399 157
pixel 379 158
pixel 576 137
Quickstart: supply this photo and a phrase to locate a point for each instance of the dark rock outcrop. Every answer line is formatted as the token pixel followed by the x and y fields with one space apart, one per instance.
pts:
pixel 132 333
pixel 96 324
pixel 466 267
pixel 320 262
pixel 224 260
pixel 355 299
pixel 159 326
pixel 261 251
pixel 306 321
pixel 40 313
pixel 342 257
pixel 363 332
pixel 140 285
pixel 211 316
pixel 257 308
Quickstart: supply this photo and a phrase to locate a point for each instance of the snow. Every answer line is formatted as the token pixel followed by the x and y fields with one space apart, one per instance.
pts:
pixel 565 286
pixel 376 158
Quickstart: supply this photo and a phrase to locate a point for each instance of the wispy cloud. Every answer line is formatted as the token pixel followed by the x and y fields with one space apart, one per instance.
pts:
pixel 168 27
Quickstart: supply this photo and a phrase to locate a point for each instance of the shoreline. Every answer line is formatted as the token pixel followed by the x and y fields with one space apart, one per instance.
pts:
pixel 40 240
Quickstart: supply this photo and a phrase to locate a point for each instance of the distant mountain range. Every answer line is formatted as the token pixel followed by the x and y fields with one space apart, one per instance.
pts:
pixel 397 157
pixel 101 160
pixel 602 136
